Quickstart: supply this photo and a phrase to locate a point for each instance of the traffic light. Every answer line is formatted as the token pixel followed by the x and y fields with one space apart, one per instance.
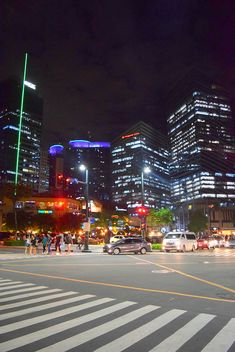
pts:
pixel 142 211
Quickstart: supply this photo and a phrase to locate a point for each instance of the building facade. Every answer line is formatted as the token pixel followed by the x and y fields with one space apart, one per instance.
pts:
pixel 29 148
pixel 202 166
pixel 139 147
pixel 66 175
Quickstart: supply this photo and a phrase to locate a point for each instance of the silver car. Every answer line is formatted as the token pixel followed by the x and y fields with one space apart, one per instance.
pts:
pixel 128 244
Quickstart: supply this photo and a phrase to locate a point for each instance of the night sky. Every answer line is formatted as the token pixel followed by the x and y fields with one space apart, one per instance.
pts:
pixel 102 65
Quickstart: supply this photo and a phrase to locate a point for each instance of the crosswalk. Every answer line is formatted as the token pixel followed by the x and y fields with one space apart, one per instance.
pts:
pixel 217 252
pixel 37 318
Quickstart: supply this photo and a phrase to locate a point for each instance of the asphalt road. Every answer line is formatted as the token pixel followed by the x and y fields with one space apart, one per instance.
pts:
pixel 154 302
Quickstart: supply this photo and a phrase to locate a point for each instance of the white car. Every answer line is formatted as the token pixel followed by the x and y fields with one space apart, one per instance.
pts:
pixel 179 241
pixel 116 238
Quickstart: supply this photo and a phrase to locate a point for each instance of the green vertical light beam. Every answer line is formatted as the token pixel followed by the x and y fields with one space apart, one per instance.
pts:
pixel 20 123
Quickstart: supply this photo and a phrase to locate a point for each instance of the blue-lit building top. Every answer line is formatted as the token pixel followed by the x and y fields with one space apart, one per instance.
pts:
pixel 65 162
pixel 139 147
pixel 29 154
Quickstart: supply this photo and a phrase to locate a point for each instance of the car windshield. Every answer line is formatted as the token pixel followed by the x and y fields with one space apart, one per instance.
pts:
pixel 172 236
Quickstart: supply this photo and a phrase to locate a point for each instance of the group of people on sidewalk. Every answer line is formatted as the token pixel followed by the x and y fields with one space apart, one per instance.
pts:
pixel 63 242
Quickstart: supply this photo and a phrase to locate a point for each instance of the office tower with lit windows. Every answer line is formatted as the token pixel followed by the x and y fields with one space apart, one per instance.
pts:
pixel 202 166
pixel 65 173
pixel 137 148
pixel 44 172
pixel 29 148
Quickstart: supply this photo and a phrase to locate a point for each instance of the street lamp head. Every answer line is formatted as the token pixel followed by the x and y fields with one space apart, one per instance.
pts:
pixel 82 167
pixel 147 169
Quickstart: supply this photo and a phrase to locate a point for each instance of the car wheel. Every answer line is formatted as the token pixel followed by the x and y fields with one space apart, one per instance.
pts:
pixel 116 251
pixel 143 251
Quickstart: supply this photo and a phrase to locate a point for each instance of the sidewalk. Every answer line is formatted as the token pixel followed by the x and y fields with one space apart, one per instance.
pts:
pixel 6 253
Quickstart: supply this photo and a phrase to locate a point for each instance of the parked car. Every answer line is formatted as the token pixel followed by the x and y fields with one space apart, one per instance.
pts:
pixel 206 242
pixel 180 241
pixel 128 244
pixel 116 238
pixel 219 241
pixel 230 243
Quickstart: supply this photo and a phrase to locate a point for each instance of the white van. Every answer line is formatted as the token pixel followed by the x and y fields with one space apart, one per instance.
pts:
pixel 180 241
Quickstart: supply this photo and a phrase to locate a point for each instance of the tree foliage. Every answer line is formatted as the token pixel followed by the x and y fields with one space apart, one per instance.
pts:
pixel 198 221
pixel 161 217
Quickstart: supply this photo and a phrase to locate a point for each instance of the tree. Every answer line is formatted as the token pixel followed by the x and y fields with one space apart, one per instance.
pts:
pixel 198 221
pixel 14 193
pixel 160 217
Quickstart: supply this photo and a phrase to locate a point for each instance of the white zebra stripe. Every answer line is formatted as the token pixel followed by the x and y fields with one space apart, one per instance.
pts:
pixel 37 300
pixel 58 314
pixel 181 336
pixel 43 307
pixel 138 334
pixel 7 282
pixel 88 335
pixel 54 329
pixel 223 340
pixel 31 294
pixel 9 287
pixel 7 293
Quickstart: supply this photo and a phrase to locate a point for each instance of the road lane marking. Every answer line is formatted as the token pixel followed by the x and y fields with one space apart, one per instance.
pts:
pixel 91 334
pixel 7 293
pixel 223 340
pixel 12 285
pixel 7 282
pixel 44 306
pixel 211 283
pixel 181 336
pixel 31 294
pixel 38 299
pixel 138 334
pixel 142 289
pixel 58 314
pixel 61 327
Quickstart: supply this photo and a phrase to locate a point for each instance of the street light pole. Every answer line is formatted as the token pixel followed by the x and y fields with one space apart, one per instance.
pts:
pixel 145 170
pixel 86 244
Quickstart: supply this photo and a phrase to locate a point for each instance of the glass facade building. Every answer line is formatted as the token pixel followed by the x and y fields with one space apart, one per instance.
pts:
pixel 202 166
pixel 139 147
pixel 29 153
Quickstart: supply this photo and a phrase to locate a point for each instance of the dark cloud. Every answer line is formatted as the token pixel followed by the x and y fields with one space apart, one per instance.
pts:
pixel 101 65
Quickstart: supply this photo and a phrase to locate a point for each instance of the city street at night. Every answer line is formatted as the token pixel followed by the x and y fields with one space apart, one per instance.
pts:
pixel 95 301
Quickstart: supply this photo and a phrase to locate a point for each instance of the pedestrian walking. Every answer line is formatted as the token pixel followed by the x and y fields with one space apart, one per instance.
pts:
pixel 44 244
pixel 27 244
pixel 58 244
pixel 69 241
pixel 34 243
pixel 49 240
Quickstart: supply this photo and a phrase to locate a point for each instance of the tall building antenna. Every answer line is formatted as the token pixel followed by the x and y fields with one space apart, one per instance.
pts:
pixel 20 123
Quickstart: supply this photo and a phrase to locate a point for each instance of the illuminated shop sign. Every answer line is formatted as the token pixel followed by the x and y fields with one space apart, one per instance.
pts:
pixel 41 211
pixel 131 135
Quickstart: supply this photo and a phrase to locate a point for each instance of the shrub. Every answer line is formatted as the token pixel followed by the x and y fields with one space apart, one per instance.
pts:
pixel 157 246
pixel 14 243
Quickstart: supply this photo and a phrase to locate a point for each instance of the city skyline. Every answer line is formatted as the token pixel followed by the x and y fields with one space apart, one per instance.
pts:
pixel 102 67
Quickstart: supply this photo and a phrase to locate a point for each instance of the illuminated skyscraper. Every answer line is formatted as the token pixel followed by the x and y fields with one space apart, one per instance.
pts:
pixel 29 152
pixel 66 176
pixel 139 147
pixel 202 166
